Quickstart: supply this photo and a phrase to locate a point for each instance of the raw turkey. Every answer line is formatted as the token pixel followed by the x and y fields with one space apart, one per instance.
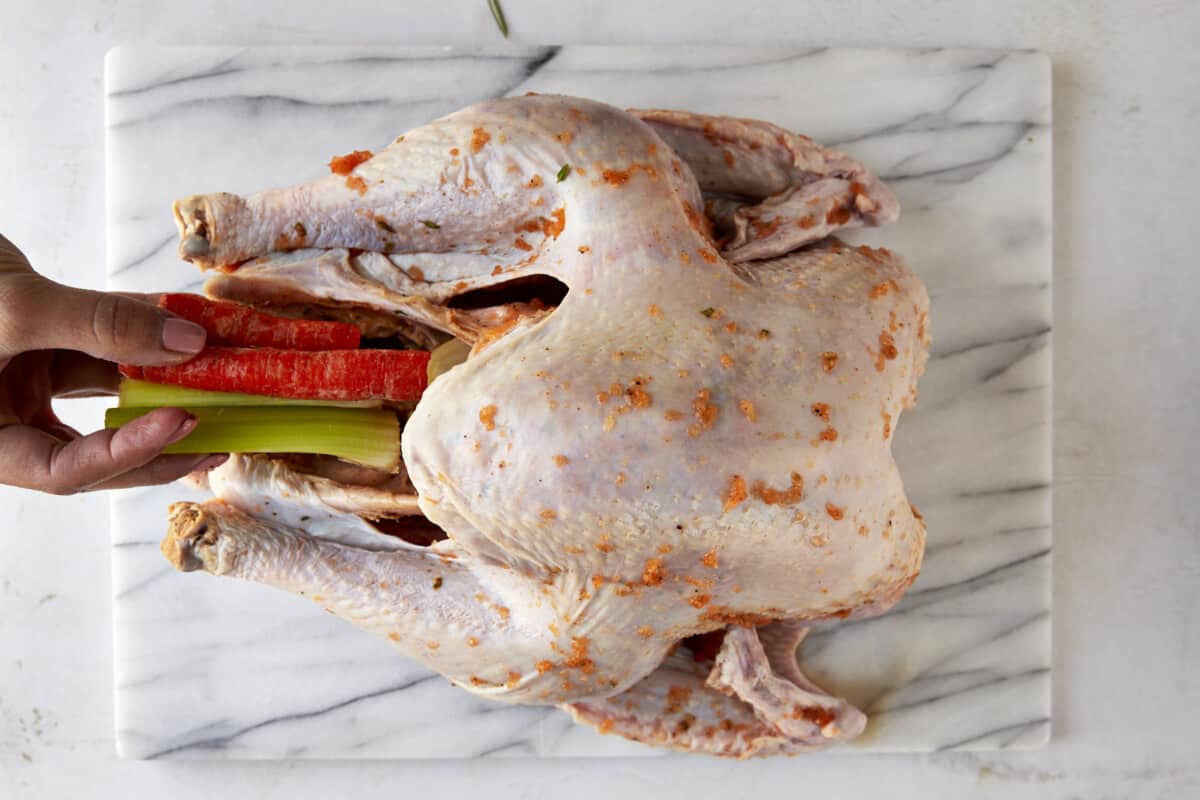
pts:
pixel 668 453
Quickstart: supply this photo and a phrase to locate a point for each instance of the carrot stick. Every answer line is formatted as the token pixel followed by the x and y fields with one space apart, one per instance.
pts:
pixel 398 375
pixel 242 326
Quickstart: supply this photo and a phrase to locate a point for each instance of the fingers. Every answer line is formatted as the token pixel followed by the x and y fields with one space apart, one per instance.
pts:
pixel 36 313
pixel 163 469
pixel 74 374
pixel 35 459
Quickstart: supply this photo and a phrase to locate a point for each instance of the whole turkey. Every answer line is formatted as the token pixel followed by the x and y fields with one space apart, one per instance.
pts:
pixel 668 452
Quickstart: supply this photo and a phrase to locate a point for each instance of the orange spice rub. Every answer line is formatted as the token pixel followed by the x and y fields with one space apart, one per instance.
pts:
pixel 782 497
pixel 654 572
pixel 736 492
pixel 344 165
pixel 479 138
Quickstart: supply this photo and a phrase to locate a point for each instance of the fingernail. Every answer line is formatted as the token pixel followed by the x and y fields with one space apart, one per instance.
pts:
pixel 187 426
pixel 182 336
pixel 211 462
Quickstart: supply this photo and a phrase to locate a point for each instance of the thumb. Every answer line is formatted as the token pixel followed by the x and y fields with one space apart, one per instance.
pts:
pixel 106 325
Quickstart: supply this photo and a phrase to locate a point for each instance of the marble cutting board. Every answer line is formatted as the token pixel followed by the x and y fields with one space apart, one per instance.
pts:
pixel 219 668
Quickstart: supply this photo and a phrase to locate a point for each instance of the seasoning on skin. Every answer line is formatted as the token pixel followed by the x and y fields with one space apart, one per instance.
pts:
pixel 677 696
pixel 763 333
pixel 726 360
pixel 521 244
pixel 553 225
pixel 487 416
pixel 838 215
pixel 356 184
pixel 828 435
pixel 472 642
pixel 344 165
pixel 654 572
pixel 834 511
pixel 638 397
pixel 781 497
pixel 748 411
pixel 821 410
pixel 699 600
pixel 887 424
pixel 479 138
pixel 708 312
pixel 673 416
pixel 584 249
pixel 735 493
pixel 535 181
pixel 543 667
pixel 606 725
pixel 437 583
pixel 709 559
pixel 887 345
pixel 579 656
pixel 829 361
pixel 881 289
pixel 655 311
pixel 704 412
pixel 645 631
pixel 561 461
pixel 549 513
pixel 615 177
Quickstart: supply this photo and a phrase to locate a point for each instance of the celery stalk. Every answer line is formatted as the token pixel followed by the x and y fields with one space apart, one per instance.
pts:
pixel 146 394
pixel 368 436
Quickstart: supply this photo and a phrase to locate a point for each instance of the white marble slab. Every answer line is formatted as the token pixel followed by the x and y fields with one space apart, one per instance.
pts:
pixel 208 668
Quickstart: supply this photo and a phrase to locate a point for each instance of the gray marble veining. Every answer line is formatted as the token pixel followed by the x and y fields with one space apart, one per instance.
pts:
pixel 208 669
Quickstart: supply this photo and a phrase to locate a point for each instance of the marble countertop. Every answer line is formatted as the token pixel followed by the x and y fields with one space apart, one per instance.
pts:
pixel 1127 552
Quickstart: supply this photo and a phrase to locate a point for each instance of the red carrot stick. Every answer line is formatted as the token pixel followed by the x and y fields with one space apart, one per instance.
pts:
pixel 242 326
pixel 300 375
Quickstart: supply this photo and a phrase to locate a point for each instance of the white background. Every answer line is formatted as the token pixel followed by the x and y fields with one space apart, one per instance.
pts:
pixel 1126 445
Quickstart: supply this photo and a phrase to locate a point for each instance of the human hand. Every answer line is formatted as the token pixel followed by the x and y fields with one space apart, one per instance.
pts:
pixel 58 341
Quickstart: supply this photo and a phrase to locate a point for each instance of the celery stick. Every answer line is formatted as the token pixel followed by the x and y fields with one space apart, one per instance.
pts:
pixel 445 356
pixel 368 436
pixel 145 394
